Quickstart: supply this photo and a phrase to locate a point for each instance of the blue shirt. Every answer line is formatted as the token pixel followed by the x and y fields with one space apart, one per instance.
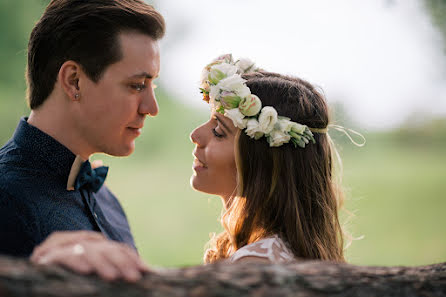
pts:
pixel 34 201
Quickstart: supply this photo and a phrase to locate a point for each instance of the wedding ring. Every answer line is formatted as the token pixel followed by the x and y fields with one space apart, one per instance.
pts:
pixel 78 249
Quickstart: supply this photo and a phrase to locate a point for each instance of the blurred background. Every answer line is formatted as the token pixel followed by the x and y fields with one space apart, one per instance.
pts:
pixel 382 66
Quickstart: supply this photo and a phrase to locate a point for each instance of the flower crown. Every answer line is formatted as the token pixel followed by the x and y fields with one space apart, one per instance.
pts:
pixel 224 88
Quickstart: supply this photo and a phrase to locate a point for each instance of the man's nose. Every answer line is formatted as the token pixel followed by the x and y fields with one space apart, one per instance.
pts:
pixel 148 105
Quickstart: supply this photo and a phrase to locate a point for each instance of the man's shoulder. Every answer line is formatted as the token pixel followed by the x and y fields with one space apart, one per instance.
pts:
pixel 12 155
pixel 13 175
pixel 16 161
pixel 8 150
pixel 9 201
pixel 21 178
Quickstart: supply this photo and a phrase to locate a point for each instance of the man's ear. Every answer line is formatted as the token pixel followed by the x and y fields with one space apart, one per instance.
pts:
pixel 69 74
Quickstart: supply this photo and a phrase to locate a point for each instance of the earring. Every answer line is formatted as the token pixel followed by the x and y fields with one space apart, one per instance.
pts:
pixel 76 96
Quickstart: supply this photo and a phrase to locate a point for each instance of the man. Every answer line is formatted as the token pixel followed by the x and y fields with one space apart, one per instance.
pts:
pixel 90 70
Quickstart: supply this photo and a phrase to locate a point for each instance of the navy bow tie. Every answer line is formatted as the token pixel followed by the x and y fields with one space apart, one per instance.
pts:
pixel 90 179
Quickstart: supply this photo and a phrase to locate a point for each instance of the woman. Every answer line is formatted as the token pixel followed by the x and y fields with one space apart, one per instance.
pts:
pixel 266 152
pixel 274 176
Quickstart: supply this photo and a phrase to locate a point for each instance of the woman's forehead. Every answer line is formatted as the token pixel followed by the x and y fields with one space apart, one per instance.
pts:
pixel 226 121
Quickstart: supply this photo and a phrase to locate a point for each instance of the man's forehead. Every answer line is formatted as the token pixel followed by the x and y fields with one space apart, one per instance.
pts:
pixel 140 55
pixel 144 75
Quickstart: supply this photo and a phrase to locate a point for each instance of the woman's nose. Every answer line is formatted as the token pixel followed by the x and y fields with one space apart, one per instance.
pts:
pixel 196 136
pixel 193 136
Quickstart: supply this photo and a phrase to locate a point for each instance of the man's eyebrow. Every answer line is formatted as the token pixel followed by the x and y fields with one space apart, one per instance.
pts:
pixel 223 124
pixel 143 74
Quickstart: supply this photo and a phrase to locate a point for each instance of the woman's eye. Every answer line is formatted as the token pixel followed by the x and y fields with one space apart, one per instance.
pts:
pixel 216 133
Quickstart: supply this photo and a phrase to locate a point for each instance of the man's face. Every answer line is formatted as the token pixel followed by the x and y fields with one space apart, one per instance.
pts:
pixel 112 111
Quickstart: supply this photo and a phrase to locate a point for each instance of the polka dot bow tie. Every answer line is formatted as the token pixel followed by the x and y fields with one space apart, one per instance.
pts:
pixel 90 179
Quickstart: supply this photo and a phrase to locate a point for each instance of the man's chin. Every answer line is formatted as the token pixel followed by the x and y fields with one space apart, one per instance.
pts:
pixel 122 151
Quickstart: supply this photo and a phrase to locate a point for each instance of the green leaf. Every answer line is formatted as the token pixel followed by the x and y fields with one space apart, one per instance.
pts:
pixel 221 110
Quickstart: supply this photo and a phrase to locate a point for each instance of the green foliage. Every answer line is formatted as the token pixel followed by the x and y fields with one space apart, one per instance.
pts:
pixel 16 21
pixel 12 107
pixel 397 192
pixel 437 10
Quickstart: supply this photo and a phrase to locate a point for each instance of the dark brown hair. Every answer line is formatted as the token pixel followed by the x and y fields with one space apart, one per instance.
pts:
pixel 285 190
pixel 85 32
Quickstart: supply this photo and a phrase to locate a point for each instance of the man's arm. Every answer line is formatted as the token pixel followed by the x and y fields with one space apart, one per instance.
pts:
pixel 18 232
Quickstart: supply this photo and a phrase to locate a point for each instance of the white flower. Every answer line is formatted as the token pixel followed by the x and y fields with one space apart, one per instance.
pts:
pixel 215 106
pixel 298 128
pixel 227 58
pixel 214 93
pixel 252 129
pixel 220 71
pixel 267 119
pixel 245 65
pixel 250 106
pixel 243 92
pixel 235 83
pixel 237 117
pixel 277 138
pixel 230 100
pixel 285 125
pixel 204 75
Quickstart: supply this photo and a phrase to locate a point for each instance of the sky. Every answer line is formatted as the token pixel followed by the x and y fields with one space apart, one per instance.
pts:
pixel 382 59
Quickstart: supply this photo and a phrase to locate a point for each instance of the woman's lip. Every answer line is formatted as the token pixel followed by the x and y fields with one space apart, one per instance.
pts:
pixel 198 165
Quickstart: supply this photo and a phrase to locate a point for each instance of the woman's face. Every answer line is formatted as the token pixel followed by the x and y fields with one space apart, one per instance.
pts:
pixel 214 159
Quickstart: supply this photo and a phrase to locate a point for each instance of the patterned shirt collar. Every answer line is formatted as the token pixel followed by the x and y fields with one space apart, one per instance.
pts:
pixel 42 147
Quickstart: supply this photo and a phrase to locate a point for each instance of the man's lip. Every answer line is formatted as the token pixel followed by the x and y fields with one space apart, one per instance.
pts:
pixel 136 131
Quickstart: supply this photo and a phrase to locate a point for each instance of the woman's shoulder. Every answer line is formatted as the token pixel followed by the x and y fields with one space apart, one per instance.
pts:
pixel 270 248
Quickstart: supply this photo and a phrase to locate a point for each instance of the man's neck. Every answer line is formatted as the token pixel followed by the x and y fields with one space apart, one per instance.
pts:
pixel 55 123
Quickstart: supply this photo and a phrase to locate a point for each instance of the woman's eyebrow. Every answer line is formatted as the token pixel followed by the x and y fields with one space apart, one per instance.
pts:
pixel 223 124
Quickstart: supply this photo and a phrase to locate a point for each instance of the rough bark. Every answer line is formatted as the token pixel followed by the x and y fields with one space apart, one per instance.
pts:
pixel 18 277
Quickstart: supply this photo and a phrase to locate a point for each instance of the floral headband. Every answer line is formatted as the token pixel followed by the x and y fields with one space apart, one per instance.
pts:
pixel 223 87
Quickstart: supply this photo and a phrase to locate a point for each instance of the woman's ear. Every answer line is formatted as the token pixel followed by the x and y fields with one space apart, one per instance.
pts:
pixel 68 76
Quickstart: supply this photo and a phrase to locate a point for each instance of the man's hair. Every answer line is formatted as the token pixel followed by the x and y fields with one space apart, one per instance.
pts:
pixel 85 32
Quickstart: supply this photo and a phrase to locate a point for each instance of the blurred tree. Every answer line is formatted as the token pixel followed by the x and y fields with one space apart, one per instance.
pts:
pixel 16 21
pixel 437 10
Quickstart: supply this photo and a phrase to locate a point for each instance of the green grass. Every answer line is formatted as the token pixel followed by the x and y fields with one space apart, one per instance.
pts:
pixel 395 186
pixel 398 194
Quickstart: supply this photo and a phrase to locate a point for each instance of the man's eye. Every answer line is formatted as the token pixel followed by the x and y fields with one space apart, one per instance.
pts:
pixel 138 87
pixel 216 133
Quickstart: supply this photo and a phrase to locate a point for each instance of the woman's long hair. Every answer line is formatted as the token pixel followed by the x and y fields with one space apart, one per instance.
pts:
pixel 284 190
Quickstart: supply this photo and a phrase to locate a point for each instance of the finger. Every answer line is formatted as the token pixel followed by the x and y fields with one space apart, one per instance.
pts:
pixel 143 266
pixel 88 261
pixel 61 239
pixel 97 163
pixel 135 258
pixel 140 264
pixel 65 238
pixel 102 265
pixel 66 258
pixel 125 260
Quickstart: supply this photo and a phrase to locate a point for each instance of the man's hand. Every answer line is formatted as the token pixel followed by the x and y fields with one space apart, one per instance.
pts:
pixel 90 252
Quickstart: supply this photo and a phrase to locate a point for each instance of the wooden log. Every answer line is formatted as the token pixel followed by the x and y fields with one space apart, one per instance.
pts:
pixel 18 278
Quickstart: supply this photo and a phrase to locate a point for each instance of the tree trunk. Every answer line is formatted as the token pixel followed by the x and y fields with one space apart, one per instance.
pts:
pixel 18 277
